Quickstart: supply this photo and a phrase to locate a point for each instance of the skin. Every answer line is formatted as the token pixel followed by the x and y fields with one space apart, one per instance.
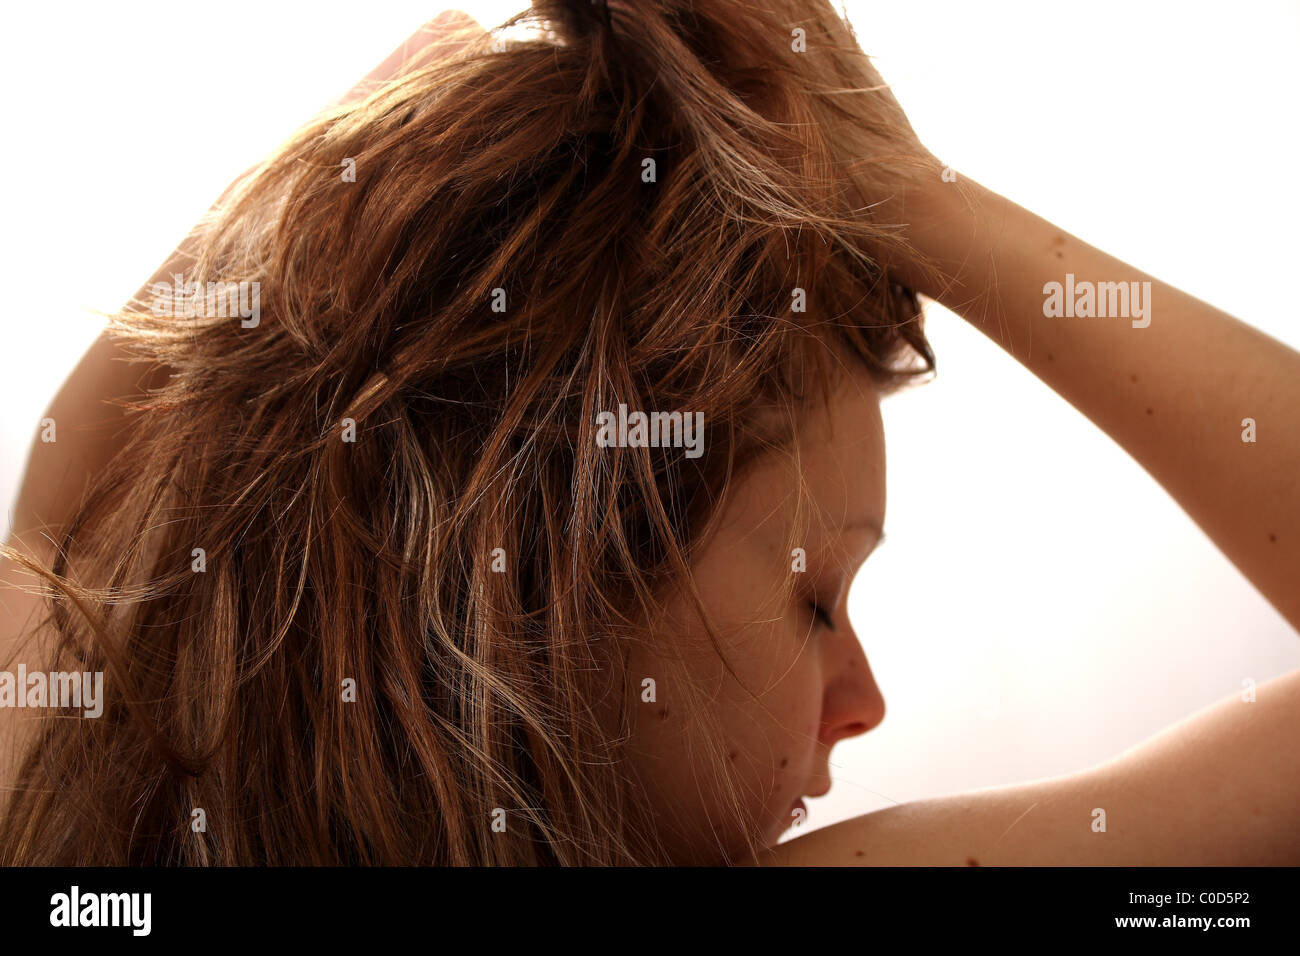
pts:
pixel 1219 788
pixel 796 685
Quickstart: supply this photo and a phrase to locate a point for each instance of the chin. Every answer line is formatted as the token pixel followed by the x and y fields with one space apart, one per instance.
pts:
pixel 779 828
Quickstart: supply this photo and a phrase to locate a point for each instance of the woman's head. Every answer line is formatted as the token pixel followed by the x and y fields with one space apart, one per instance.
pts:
pixel 787 677
pixel 364 584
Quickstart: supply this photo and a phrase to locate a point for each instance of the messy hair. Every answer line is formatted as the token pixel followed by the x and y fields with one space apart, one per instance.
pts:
pixel 359 576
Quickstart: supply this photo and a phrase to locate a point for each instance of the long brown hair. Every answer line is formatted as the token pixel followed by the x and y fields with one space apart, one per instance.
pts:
pixel 416 564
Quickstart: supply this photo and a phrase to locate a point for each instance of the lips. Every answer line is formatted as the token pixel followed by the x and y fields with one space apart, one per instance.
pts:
pixel 800 805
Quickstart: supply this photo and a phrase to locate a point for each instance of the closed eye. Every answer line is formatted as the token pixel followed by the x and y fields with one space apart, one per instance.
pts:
pixel 822 615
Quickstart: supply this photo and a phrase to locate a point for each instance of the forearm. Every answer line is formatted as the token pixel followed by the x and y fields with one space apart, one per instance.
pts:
pixel 1173 393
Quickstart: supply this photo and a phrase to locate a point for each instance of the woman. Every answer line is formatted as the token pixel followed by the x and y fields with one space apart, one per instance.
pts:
pixel 401 556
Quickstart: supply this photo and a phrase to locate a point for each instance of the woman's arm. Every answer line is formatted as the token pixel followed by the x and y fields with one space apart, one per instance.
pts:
pixel 1173 381
pixel 90 414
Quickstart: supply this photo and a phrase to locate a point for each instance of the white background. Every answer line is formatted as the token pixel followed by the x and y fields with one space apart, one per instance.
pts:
pixel 1041 604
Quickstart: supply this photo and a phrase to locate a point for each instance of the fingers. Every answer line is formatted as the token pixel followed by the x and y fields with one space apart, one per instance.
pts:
pixel 443 36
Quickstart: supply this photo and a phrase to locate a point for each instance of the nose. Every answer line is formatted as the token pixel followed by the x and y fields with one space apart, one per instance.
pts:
pixel 851 703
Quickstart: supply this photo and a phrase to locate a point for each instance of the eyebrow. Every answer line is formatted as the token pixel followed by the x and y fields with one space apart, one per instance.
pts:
pixel 869 524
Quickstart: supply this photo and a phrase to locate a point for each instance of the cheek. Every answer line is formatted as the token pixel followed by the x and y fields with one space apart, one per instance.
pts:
pixel 777 740
pixel 754 726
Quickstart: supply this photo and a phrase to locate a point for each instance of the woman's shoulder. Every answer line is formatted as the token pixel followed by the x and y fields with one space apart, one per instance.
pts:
pixel 1218 788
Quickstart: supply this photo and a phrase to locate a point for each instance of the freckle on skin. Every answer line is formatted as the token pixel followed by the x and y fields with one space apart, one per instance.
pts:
pixel 1050 357
pixel 784 761
pixel 663 713
pixel 1132 378
pixel 859 853
pixel 1149 412
pixel 732 756
pixel 971 861
pixel 1272 537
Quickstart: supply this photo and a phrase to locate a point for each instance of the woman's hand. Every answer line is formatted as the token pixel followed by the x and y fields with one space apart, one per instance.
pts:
pixel 444 36
pixel 896 180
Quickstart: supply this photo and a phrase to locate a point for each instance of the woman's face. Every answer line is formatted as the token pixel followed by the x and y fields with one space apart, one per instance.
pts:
pixel 796 684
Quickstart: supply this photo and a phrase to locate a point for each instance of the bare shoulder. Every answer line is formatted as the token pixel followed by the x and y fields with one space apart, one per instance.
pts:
pixel 981 828
pixel 1217 789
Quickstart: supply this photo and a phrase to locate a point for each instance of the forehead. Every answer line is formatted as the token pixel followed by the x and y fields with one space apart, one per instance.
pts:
pixel 833 473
